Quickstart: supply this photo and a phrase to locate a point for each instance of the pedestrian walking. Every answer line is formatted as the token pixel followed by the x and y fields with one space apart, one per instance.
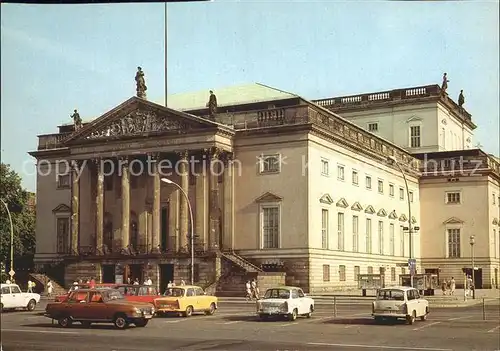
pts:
pixel 30 286
pixel 49 288
pixel 452 286
pixel 248 288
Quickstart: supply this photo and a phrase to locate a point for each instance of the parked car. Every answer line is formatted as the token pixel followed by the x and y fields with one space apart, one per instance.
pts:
pixel 141 293
pixel 62 298
pixel 186 300
pixel 100 305
pixel 285 301
pixel 400 302
pixel 12 297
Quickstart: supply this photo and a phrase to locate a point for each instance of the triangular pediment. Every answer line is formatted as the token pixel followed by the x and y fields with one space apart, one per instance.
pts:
pixel 453 220
pixel 369 209
pixel 381 213
pixel 268 197
pixel 414 119
pixel 62 208
pixel 393 215
pixel 326 199
pixel 140 118
pixel 403 218
pixel 342 203
pixel 495 221
pixel 356 206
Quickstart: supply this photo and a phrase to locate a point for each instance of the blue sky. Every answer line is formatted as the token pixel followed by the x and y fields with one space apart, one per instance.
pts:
pixel 55 58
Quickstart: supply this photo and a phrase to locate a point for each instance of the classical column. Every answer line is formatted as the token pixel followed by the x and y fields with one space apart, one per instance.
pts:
pixel 214 233
pixel 202 205
pixel 155 242
pixel 99 200
pixel 125 234
pixel 75 206
pixel 228 218
pixel 184 210
pixel 173 221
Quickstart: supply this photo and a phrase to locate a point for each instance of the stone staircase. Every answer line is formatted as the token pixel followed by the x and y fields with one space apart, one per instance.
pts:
pixel 241 262
pixel 41 281
pixel 236 271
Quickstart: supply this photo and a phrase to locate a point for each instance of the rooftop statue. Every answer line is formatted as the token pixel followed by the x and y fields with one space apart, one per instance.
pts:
pixel 140 83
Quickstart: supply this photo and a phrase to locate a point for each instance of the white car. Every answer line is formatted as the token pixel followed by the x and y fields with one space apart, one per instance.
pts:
pixel 12 297
pixel 286 301
pixel 400 302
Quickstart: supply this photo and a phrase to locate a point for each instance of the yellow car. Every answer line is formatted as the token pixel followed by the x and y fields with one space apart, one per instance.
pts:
pixel 186 300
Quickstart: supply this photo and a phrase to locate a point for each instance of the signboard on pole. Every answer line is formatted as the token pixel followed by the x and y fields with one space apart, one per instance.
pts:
pixel 412 266
pixel 11 273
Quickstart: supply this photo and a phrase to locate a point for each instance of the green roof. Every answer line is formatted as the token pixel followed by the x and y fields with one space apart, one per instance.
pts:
pixel 228 96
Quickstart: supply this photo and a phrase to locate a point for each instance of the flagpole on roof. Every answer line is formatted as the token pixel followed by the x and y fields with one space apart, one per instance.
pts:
pixel 165 39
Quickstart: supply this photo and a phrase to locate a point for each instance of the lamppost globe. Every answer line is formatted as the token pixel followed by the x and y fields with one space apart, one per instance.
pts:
pixel 472 239
pixel 166 180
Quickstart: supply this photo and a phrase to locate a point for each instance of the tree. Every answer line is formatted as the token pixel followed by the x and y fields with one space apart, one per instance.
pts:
pixel 23 216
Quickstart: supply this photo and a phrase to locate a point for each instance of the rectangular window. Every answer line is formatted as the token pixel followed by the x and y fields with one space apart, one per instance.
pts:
pixel 391 190
pixel 63 235
pixel 357 271
pixel 415 136
pixel 381 237
pixel 411 196
pixel 495 243
pixel 340 231
pixel 355 233
pixel 340 172
pixel 380 186
pixel 342 273
pixel 270 164
pixel 393 274
pixel 391 239
pixel 370 270
pixel 326 273
pixel 325 170
pixel 401 193
pixel 443 138
pixel 373 127
pixel 494 197
pixel 368 235
pixel 453 198
pixel 270 227
pixel 401 241
pixel 368 181
pixel 324 229
pixel 355 179
pixel 403 270
pixel 63 181
pixel 454 243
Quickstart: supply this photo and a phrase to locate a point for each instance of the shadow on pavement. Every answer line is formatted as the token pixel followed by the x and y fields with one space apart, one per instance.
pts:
pixel 362 321
pixel 74 326
pixel 251 318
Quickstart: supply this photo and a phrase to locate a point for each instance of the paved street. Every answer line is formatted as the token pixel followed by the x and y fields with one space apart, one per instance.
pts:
pixel 235 327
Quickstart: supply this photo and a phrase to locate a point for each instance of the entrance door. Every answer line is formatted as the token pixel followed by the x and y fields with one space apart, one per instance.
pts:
pixel 166 275
pixel 108 273
pixel 478 276
pixel 164 227
pixel 136 271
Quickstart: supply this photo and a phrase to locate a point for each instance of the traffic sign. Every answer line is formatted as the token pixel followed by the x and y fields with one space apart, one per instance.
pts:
pixel 11 273
pixel 412 265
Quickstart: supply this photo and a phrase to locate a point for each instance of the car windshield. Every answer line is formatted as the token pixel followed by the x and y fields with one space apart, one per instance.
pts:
pixel 397 295
pixel 177 292
pixel 277 294
pixel 111 295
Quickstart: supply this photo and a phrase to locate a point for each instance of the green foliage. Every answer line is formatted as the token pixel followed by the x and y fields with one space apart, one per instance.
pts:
pixel 23 216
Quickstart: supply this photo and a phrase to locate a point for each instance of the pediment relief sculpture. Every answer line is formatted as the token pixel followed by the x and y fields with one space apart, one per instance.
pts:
pixel 326 199
pixel 268 197
pixel 403 218
pixel 62 208
pixel 356 207
pixel 342 203
pixel 381 213
pixel 393 215
pixel 369 209
pixel 453 220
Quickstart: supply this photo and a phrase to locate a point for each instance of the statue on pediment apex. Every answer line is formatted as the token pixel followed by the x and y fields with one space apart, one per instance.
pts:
pixel 444 85
pixel 77 120
pixel 461 99
pixel 140 83
pixel 212 105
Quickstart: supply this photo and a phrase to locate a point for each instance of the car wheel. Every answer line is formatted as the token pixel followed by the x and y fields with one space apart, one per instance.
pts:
pixel 31 305
pixel 411 319
pixel 121 322
pixel 311 310
pixel 189 311
pixel 86 324
pixel 211 311
pixel 141 323
pixel 293 315
pixel 424 317
pixel 64 322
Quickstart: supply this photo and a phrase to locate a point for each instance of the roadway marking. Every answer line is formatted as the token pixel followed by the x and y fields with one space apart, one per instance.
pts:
pixel 232 322
pixel 378 347
pixel 351 326
pixel 175 321
pixel 287 324
pixel 427 325
pixel 457 318
pixel 494 329
pixel 39 331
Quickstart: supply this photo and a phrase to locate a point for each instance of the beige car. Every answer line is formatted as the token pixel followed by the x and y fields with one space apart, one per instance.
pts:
pixel 401 302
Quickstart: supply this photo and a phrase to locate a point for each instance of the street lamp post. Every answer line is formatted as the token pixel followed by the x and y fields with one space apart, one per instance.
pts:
pixel 168 181
pixel 472 241
pixel 410 230
pixel 11 272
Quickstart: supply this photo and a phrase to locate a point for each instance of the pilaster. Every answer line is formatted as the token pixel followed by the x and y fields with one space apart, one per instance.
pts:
pixel 173 221
pixel 228 217
pixel 155 240
pixel 202 205
pixel 184 208
pixel 215 212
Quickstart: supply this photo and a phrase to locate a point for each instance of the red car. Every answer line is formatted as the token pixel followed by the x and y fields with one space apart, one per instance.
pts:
pixel 138 293
pixel 64 298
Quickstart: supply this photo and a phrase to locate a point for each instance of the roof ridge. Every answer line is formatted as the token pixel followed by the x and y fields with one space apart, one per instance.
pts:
pixel 280 90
